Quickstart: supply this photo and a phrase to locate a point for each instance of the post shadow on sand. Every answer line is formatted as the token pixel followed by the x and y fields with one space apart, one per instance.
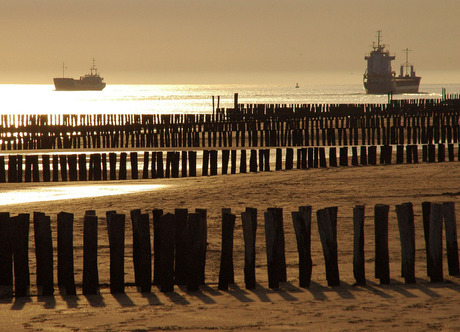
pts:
pixel 198 294
pixel 123 299
pixel 20 302
pixel 95 300
pixel 238 293
pixel 71 300
pixel 49 302
pixel 173 296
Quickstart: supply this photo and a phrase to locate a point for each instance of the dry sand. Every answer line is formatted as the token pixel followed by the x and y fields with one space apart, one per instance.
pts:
pixel 421 306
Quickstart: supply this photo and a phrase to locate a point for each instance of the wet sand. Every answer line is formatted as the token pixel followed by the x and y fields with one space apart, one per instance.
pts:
pixel 421 306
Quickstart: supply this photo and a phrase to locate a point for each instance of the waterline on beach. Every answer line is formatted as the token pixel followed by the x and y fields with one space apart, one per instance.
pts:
pixel 55 193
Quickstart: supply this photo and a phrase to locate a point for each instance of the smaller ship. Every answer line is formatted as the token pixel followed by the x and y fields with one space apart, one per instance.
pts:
pixel 379 77
pixel 297 85
pixel 92 81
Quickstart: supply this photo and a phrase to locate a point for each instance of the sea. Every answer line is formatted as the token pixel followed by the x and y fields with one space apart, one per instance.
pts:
pixel 188 99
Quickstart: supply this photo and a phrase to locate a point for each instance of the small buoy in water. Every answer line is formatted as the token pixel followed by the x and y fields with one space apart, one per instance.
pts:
pixel 297 85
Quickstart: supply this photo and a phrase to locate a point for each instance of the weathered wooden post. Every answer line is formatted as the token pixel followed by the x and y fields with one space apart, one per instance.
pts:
pixel 116 232
pixel 66 278
pixel 343 156
pixel 82 171
pixel 46 168
pixel 327 226
pixel 203 244
pixel 113 165
pixel 2 170
pixel 184 164
pixel 302 227
pixel 6 251
pixel 134 218
pixel 289 159
pixel 145 169
pixel 406 226
pixel 156 213
pixel 72 160
pixel 426 211
pixel 399 154
pixel 372 155
pixel 249 220
pixel 90 270
pixel 322 157
pixel 225 159
pixel 205 163
pixel 382 259
pixel 441 153
pixel 167 236
pixel 192 163
pixel 20 233
pixel 180 269
pixel 233 162
pixel 63 164
pixel 270 243
pixel 253 161
pixel 358 245
pixel 159 168
pixel 44 254
pixel 134 165
pixel 193 249
pixel 55 167
pixel 12 169
pixel 448 211
pixel 122 170
pixel 435 243
pixel 243 161
pixel 213 154
pixel 279 159
pixel 226 273
pixel 144 252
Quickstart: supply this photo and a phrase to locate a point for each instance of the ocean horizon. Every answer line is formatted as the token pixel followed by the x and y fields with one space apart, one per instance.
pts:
pixel 189 98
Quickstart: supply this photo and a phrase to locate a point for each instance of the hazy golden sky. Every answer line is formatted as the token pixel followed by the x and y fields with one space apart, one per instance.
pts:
pixel 231 41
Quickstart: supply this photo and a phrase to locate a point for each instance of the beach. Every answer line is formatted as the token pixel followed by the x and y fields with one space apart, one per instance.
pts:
pixel 397 306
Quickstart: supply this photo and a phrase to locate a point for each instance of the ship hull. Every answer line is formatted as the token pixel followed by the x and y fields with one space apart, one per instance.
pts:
pixel 397 85
pixel 70 84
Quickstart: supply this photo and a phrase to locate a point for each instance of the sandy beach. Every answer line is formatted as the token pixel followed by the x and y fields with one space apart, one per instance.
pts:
pixel 420 306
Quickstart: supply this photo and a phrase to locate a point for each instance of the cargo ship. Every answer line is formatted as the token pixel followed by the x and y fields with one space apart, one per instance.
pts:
pixel 91 81
pixel 379 77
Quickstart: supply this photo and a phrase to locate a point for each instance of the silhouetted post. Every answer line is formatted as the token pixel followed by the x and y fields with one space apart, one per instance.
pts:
pixel 382 259
pixel 253 161
pixel 302 227
pixel 180 270
pixel 426 211
pixel 82 171
pixel 134 165
pixel 280 243
pixel 63 164
pixel 332 157
pixel 249 220
pixel 372 155
pixel 145 169
pixel 72 160
pixel 122 170
pixel 134 224
pixel 270 243
pixel 66 279
pixel 279 159
pixel 399 154
pixel 159 169
pixel 203 243
pixel 46 168
pixel 167 236
pixel 233 162
pixel 2 170
pixel 358 245
pixel 363 155
pixel 289 158
pixel 225 159
pixel 144 252
pixel 116 231
pixel 113 165
pixel 192 163
pixel 44 254
pixel 327 226
pixel 205 163
pixel 448 211
pixel 406 226
pixel 6 251
pixel 213 154
pixel 55 168
pixel 20 233
pixel 354 156
pixel 156 213
pixel 242 161
pixel 435 244
pixel 184 164
pixel 322 157
pixel 90 270
pixel 226 275
pixel 193 249
pixel 344 156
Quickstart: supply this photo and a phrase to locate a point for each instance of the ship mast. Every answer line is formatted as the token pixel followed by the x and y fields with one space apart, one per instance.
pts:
pixel 406 64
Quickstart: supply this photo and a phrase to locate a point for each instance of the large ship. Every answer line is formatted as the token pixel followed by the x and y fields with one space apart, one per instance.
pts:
pixel 379 77
pixel 91 81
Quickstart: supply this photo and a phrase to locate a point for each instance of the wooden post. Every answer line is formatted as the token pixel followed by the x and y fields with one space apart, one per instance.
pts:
pixel 2 170
pixel 113 165
pixel 243 161
pixel 82 171
pixel 280 244
pixel 90 271
pixel 66 278
pixel 327 226
pixel 159 169
pixel 225 159
pixel 122 170
pixel 382 259
pixel 358 245
pixel 363 155
pixel 46 168
pixel 344 156
pixel 332 157
pixel 253 161
pixel 289 159
pixel 63 164
pixel 435 247
pixel 399 154
pixel 135 229
pixel 116 232
pixel 322 157
pixel 193 249
pixel 167 236
pixel 184 164
pixel 6 251
pixel 270 243
pixel 144 252
pixel 203 244
pixel 279 159
pixel 372 155
pixel 44 254
pixel 20 233
pixel 233 162
pixel 302 227
pixel 55 168
pixel 180 270
pixel 192 163
pixel 72 160
pixel 156 213
pixel 145 169
pixel 406 226
pixel 249 220
pixel 134 165
pixel 213 154
pixel 226 273
pixel 448 211
pixel 205 163
pixel 426 211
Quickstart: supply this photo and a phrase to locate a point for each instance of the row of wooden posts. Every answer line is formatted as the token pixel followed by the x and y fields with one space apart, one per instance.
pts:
pixel 180 244
pixel 400 122
pixel 77 167
pixel 237 134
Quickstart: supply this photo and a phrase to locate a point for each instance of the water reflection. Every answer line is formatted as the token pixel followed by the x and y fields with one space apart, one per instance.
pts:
pixel 55 193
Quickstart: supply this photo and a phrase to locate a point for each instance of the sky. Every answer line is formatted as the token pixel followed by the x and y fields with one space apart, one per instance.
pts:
pixel 224 41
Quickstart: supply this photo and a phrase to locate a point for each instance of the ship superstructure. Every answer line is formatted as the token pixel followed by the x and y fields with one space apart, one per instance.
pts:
pixel 91 81
pixel 379 77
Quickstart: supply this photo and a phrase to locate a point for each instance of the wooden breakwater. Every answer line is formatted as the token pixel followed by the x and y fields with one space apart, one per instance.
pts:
pixel 189 163
pixel 180 245
pixel 423 121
